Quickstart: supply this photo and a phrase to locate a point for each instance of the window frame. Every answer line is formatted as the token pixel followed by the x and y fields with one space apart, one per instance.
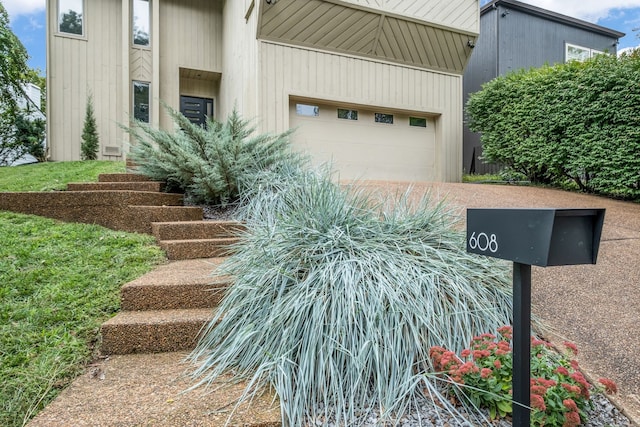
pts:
pixel 133 99
pixel 83 33
pixel 386 116
pixel 351 114
pixel 302 112
pixel 132 32
pixel 589 51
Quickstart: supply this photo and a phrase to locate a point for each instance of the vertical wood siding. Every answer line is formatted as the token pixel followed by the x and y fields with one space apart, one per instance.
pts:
pixel 287 71
pixel 190 36
pixel 81 66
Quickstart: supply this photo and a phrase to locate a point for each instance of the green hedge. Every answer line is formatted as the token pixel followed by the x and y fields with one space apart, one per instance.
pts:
pixel 575 123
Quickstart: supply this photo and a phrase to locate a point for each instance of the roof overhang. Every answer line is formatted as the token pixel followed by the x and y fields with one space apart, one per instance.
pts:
pixel 347 28
pixel 552 16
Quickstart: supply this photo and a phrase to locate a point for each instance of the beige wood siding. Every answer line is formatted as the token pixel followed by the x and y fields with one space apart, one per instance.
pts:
pixel 286 72
pixel 190 38
pixel 239 82
pixel 461 14
pixel 83 65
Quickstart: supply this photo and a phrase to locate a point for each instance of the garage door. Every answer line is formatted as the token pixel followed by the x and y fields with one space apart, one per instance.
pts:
pixel 366 143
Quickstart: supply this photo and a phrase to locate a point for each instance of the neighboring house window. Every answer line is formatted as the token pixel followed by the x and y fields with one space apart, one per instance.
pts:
pixel 71 16
pixel 141 97
pixel 579 53
pixel 347 114
pixel 141 23
pixel 384 118
pixel 307 110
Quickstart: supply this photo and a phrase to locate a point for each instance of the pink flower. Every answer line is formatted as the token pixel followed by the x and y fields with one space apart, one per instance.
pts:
pixel 572 388
pixel 609 386
pixel 497 364
pixel 571 419
pixel 538 390
pixel 485 372
pixel 465 353
pixel 537 402
pixel 570 404
pixel 506 332
pixel 562 371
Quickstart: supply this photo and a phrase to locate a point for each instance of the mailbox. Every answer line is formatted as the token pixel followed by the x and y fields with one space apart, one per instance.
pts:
pixel 542 237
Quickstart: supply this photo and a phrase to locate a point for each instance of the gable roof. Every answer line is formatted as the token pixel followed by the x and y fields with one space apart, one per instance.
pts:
pixel 551 16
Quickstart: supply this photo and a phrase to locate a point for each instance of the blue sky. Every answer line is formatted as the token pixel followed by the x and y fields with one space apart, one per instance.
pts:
pixel 28 20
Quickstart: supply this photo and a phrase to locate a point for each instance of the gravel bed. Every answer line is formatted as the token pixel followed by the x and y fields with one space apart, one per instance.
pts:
pixel 426 414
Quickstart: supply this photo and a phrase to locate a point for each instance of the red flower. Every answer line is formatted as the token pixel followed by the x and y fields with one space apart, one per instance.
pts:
pixel 571 346
pixel 562 371
pixel 609 386
pixel 465 353
pixel 537 402
pixel 506 332
pixel 571 419
pixel 570 404
pixel 572 388
pixel 497 364
pixel 479 354
pixel 485 372
pixel 539 390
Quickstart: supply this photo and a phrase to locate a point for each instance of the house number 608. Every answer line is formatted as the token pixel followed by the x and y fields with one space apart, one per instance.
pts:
pixel 483 242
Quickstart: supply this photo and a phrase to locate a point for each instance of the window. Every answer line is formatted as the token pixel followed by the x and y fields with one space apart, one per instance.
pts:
pixel 420 122
pixel 141 99
pixel 384 118
pixel 307 110
pixel 70 16
pixel 141 23
pixel 579 53
pixel 347 114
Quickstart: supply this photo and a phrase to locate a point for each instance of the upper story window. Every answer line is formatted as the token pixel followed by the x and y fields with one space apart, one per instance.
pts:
pixel 141 23
pixel 307 110
pixel 347 114
pixel 71 16
pixel 579 53
pixel 383 118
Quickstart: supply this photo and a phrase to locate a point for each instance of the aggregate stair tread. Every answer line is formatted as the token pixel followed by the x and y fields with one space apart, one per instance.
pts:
pixel 205 229
pixel 148 390
pixel 179 284
pixel 153 331
pixel 142 216
pixel 198 248
pixel 149 186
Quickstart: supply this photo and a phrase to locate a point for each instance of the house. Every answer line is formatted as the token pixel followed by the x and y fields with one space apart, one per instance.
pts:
pixel 516 35
pixel 375 86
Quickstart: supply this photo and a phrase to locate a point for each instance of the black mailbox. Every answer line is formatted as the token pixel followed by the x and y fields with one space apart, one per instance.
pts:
pixel 542 237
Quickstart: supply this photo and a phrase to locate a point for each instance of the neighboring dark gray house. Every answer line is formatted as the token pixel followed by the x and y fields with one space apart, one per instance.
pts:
pixel 515 35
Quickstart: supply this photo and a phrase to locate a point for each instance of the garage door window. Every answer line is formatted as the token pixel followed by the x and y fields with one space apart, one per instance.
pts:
pixel 384 118
pixel 420 122
pixel 347 114
pixel 307 110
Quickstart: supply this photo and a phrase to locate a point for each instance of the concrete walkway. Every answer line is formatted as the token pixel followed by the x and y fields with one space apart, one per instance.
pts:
pixel 595 306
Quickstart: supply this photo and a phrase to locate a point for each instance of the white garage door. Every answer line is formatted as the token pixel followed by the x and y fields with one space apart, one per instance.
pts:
pixel 366 143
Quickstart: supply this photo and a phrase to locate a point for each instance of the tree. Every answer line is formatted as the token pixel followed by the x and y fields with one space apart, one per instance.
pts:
pixel 90 140
pixel 14 72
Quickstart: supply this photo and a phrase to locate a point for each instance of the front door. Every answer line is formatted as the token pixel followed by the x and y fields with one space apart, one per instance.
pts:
pixel 196 109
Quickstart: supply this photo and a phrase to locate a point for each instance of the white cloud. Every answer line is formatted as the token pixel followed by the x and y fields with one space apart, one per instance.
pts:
pixel 588 10
pixel 23 7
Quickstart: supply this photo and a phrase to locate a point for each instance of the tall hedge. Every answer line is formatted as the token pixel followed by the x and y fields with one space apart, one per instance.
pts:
pixel 574 122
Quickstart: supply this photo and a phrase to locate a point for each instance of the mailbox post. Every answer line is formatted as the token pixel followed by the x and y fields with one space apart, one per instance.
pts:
pixel 542 237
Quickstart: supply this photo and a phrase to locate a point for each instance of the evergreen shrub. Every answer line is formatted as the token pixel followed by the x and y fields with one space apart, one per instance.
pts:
pixel 572 123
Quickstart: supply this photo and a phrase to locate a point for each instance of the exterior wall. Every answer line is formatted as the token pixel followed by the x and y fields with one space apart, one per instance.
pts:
pixel 190 38
pixel 239 83
pixel 77 66
pixel 287 71
pixel 459 14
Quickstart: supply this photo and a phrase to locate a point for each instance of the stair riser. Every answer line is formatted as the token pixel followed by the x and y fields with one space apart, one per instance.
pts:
pixel 180 250
pixel 121 177
pixel 139 218
pixel 196 230
pixel 116 186
pixel 171 297
pixel 150 338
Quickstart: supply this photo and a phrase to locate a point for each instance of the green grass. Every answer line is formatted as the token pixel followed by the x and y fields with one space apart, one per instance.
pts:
pixel 481 178
pixel 58 283
pixel 54 175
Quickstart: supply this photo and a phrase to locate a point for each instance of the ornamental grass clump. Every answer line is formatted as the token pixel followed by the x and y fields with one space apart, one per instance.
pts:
pixel 482 375
pixel 211 163
pixel 338 298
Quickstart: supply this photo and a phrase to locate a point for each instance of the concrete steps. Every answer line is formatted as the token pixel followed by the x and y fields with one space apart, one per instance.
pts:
pixel 151 186
pixel 196 239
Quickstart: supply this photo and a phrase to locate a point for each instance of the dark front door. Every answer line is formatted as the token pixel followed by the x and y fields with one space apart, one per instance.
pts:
pixel 196 109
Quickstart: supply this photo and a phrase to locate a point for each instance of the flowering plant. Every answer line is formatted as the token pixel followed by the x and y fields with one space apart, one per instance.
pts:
pixel 560 394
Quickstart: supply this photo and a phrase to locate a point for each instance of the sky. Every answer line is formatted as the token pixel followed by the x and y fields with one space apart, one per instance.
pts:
pixel 28 20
